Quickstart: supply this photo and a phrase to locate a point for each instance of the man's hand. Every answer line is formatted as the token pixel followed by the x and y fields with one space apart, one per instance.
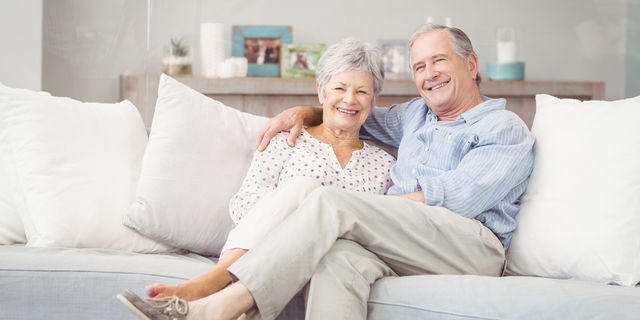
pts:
pixel 415 196
pixel 290 120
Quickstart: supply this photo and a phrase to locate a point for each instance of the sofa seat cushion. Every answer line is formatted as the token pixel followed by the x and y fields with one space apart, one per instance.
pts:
pixel 82 283
pixel 478 297
pixel 178 266
pixel 72 283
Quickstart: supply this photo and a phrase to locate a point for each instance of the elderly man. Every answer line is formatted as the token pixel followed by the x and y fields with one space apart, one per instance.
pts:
pixel 463 162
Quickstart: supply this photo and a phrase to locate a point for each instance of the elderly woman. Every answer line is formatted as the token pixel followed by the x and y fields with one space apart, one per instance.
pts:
pixel 349 78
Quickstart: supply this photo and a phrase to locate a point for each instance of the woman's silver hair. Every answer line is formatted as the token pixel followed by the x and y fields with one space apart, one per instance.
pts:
pixel 460 43
pixel 351 54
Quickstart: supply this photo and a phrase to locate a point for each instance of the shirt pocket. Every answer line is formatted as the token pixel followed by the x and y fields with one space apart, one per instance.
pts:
pixel 443 148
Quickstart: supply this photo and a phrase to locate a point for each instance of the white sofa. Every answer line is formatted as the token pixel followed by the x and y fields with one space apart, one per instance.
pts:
pixel 73 174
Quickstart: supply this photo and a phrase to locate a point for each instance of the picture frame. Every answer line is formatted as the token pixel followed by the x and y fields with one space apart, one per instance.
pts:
pixel 299 60
pixel 395 57
pixel 261 45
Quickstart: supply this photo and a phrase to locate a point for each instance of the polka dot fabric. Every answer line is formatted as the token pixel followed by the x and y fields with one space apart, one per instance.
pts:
pixel 367 170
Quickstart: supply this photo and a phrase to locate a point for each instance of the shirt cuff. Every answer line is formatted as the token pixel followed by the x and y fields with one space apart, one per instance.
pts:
pixel 433 191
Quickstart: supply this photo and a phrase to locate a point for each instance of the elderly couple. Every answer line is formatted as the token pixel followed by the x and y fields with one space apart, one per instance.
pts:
pixel 322 210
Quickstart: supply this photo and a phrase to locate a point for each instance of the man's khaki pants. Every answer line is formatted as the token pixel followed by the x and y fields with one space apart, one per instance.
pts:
pixel 340 242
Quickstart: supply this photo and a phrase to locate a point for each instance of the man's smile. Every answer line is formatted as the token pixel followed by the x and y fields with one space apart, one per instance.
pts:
pixel 438 86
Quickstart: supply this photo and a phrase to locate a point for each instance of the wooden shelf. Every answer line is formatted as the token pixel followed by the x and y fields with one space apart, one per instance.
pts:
pixel 268 96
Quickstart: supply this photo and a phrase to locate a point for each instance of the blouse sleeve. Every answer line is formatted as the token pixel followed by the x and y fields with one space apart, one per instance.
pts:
pixel 262 177
pixel 382 163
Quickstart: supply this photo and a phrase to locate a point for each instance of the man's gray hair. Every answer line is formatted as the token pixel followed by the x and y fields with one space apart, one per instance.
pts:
pixel 460 43
pixel 351 54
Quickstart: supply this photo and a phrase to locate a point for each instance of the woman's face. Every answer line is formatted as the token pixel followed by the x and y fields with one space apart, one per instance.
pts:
pixel 347 100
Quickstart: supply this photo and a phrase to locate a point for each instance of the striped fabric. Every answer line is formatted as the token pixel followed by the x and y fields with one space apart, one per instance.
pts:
pixel 476 166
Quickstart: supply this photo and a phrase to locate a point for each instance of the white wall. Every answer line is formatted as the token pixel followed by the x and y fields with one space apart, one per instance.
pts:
pixel 92 42
pixel 21 36
pixel 633 49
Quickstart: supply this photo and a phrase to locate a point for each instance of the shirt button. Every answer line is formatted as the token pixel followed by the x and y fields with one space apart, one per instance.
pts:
pixel 426 148
pixel 413 171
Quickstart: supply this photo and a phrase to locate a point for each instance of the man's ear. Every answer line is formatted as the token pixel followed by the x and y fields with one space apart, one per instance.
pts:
pixel 320 93
pixel 472 65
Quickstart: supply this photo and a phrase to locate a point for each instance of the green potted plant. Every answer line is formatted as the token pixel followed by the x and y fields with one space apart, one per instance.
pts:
pixel 177 60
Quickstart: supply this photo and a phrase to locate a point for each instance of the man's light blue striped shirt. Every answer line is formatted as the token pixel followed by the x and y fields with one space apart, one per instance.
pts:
pixel 476 166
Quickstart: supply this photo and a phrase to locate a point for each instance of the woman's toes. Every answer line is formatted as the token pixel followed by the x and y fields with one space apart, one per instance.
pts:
pixel 154 290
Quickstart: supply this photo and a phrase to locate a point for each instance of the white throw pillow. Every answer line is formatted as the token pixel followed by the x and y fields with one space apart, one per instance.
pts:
pixel 11 227
pixel 580 215
pixel 73 168
pixel 198 153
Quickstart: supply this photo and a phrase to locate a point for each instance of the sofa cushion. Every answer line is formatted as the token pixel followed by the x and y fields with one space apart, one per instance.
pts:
pixel 458 297
pixel 82 283
pixel 580 215
pixel 198 153
pixel 75 283
pixel 73 168
pixel 11 228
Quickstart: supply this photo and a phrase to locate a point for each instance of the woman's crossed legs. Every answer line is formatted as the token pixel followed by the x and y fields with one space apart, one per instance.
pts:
pixel 265 216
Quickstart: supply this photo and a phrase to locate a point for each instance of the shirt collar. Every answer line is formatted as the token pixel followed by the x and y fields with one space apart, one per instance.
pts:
pixel 476 113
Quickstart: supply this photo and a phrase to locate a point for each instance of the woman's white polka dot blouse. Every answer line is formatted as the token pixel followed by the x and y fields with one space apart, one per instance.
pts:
pixel 367 170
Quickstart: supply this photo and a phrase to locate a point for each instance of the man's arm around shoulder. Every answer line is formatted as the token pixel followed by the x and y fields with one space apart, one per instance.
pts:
pixel 290 120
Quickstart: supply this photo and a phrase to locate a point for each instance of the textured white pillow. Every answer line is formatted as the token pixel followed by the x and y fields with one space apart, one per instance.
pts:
pixel 73 168
pixel 580 215
pixel 198 153
pixel 11 227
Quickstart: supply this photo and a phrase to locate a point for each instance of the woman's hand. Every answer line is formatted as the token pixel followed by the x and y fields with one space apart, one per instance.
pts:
pixel 290 120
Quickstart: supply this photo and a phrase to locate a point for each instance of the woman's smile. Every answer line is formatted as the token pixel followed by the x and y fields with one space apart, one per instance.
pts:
pixel 347 112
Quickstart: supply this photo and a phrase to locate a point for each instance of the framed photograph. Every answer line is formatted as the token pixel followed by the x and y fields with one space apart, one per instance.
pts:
pixel 300 60
pixel 261 45
pixel 395 56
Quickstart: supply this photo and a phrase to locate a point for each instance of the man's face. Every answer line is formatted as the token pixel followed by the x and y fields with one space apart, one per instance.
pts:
pixel 444 80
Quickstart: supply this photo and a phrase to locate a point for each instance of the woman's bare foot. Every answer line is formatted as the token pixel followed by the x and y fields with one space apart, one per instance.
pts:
pixel 210 282
pixel 188 290
pixel 158 290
